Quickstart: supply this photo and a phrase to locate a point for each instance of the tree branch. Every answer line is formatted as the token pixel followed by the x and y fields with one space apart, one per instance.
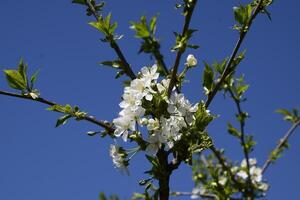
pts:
pixel 126 67
pixel 242 138
pixel 181 51
pixel 281 143
pixel 225 166
pixel 228 68
pixel 107 126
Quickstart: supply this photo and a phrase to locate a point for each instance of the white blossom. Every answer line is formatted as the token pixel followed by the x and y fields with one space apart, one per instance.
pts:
pixel 163 86
pixel 118 158
pixel 191 61
pixel 155 140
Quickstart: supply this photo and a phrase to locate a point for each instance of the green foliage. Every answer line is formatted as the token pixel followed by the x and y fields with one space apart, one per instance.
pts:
pixel 105 26
pixel 242 15
pixel 277 153
pixel 69 111
pixel 103 197
pixel 18 79
pixel 290 116
pixel 208 78
pixel 182 41
pixel 150 44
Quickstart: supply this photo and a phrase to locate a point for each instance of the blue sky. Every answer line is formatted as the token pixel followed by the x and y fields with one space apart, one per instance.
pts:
pixel 39 161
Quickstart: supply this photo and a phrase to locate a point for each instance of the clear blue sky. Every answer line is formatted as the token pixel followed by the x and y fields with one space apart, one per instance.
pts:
pixel 41 162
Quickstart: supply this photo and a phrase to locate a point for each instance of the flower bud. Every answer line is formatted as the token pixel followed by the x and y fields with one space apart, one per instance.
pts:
pixel 191 61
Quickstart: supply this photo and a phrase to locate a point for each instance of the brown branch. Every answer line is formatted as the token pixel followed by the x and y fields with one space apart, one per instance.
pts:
pixel 108 127
pixel 228 68
pixel 283 141
pixel 181 50
pixel 126 67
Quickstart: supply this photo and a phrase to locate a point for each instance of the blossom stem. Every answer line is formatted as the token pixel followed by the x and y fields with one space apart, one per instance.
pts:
pixel 281 143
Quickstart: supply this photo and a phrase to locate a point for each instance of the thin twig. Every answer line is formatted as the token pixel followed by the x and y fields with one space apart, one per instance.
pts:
pixel 126 67
pixel 91 119
pixel 242 137
pixel 181 51
pixel 160 61
pixel 225 166
pixel 283 141
pixel 207 196
pixel 228 68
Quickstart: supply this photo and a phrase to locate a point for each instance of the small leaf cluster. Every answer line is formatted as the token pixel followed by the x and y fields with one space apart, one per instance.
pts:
pixel 182 41
pixel 19 80
pixel 69 112
pixel 105 26
pixel 150 44
pixel 290 116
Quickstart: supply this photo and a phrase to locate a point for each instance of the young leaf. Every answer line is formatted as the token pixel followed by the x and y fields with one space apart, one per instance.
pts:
pixel 208 77
pixel 15 79
pixel 79 2
pixel 62 120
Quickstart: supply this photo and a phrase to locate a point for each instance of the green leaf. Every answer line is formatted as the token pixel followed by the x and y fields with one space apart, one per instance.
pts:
pixel 102 196
pixel 114 64
pixel 141 28
pixel 79 2
pixel 15 80
pixel 208 77
pixel 22 69
pixel 62 120
pixel 33 79
pixel 233 131
pixel 153 24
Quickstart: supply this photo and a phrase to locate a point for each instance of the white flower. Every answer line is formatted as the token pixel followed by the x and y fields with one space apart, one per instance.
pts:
pixel 242 174
pixel 222 180
pixel 118 158
pixel 155 140
pixel 123 124
pixel 252 162
pixel 191 61
pixel 163 86
pixel 149 74
pixel 256 174
pixel 33 95
pixel 153 124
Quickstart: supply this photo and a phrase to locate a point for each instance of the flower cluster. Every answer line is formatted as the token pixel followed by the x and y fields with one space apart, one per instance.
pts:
pixel 165 128
pixel 255 173
pixel 139 89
